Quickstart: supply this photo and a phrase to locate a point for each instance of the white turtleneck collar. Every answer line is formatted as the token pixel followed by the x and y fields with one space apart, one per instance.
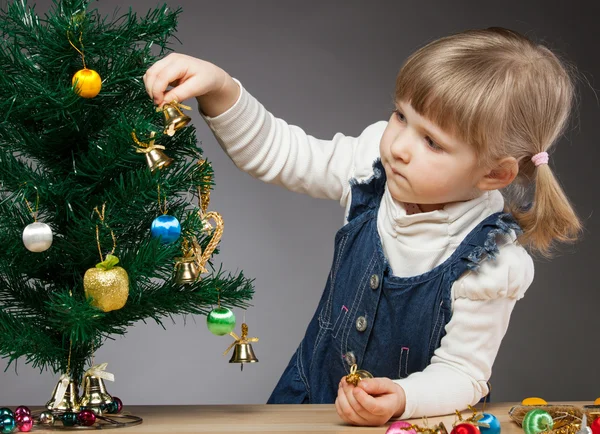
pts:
pixel 417 243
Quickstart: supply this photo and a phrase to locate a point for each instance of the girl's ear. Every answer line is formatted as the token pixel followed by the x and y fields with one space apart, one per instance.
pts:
pixel 503 173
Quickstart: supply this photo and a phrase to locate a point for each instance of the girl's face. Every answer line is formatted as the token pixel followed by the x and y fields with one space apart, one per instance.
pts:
pixel 425 165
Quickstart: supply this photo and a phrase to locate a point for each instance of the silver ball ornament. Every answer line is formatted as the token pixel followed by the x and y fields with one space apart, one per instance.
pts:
pixel 46 418
pixel 37 237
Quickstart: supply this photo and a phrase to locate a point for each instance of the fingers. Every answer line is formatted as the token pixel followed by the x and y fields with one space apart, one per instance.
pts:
pixel 381 396
pixel 378 386
pixel 152 75
pixel 345 410
pixel 180 92
pixel 369 403
pixel 173 70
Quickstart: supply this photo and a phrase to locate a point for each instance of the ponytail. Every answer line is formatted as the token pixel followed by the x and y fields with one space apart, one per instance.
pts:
pixel 550 218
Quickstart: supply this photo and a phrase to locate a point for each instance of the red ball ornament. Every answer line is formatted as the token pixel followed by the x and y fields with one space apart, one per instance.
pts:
pixel 596 426
pixel 465 428
pixel 86 417
pixel 24 422
pixel 20 410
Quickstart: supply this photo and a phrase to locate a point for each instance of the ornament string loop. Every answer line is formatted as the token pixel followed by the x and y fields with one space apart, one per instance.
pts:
pixel 162 207
pixel 34 214
pixel 77 49
pixel 112 234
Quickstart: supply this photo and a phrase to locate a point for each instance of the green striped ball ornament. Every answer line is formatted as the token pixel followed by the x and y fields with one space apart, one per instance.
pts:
pixel 220 321
pixel 537 421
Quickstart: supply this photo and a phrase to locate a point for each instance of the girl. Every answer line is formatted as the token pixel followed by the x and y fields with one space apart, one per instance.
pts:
pixel 431 260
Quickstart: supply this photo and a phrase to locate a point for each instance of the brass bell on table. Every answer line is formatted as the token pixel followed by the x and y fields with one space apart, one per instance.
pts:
pixel 157 159
pixel 70 399
pixel 175 119
pixel 187 271
pixel 95 395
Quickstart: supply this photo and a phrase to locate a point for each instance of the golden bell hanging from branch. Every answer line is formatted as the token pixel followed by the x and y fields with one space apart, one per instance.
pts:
pixel 65 396
pixel 242 348
pixel 175 119
pixel 243 353
pixel 187 271
pixel 187 268
pixel 155 157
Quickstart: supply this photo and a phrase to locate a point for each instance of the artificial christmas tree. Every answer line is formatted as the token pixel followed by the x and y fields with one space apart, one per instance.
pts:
pixel 87 167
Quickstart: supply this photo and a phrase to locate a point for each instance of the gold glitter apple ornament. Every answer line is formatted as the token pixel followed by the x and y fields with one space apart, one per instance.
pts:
pixel 106 285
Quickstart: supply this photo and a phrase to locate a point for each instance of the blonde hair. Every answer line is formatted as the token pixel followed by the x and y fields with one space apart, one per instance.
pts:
pixel 506 96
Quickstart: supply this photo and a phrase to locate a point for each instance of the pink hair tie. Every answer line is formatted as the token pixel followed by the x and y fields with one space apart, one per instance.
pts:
pixel 541 158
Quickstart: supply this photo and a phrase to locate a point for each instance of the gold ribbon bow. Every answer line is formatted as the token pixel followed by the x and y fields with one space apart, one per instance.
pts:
pixel 191 253
pixel 145 148
pixel 353 378
pixel 240 340
pixel 173 103
pixel 474 419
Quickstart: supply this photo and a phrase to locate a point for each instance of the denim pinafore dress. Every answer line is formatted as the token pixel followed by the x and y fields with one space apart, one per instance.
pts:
pixel 387 325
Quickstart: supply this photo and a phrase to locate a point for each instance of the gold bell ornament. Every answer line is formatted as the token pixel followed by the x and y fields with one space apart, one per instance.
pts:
pixel 175 119
pixel 187 271
pixel 155 157
pixel 95 397
pixel 242 348
pixel 356 375
pixel 65 396
pixel 187 268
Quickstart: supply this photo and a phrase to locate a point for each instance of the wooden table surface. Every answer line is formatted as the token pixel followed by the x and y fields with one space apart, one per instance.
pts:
pixel 313 418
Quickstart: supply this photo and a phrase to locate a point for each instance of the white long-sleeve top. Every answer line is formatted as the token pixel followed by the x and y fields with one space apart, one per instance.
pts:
pixel 482 301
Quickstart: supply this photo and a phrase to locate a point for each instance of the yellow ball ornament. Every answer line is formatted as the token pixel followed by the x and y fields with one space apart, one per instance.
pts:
pixel 87 83
pixel 534 401
pixel 597 401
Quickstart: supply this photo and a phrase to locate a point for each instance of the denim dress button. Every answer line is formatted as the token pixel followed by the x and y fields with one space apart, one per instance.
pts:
pixel 361 323
pixel 350 359
pixel 374 281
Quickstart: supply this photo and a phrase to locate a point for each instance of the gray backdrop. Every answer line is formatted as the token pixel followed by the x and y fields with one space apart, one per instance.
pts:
pixel 329 66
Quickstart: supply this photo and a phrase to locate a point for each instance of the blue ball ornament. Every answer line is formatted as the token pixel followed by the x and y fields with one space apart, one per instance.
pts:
pixel 4 411
pixel 167 228
pixel 7 423
pixel 492 421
